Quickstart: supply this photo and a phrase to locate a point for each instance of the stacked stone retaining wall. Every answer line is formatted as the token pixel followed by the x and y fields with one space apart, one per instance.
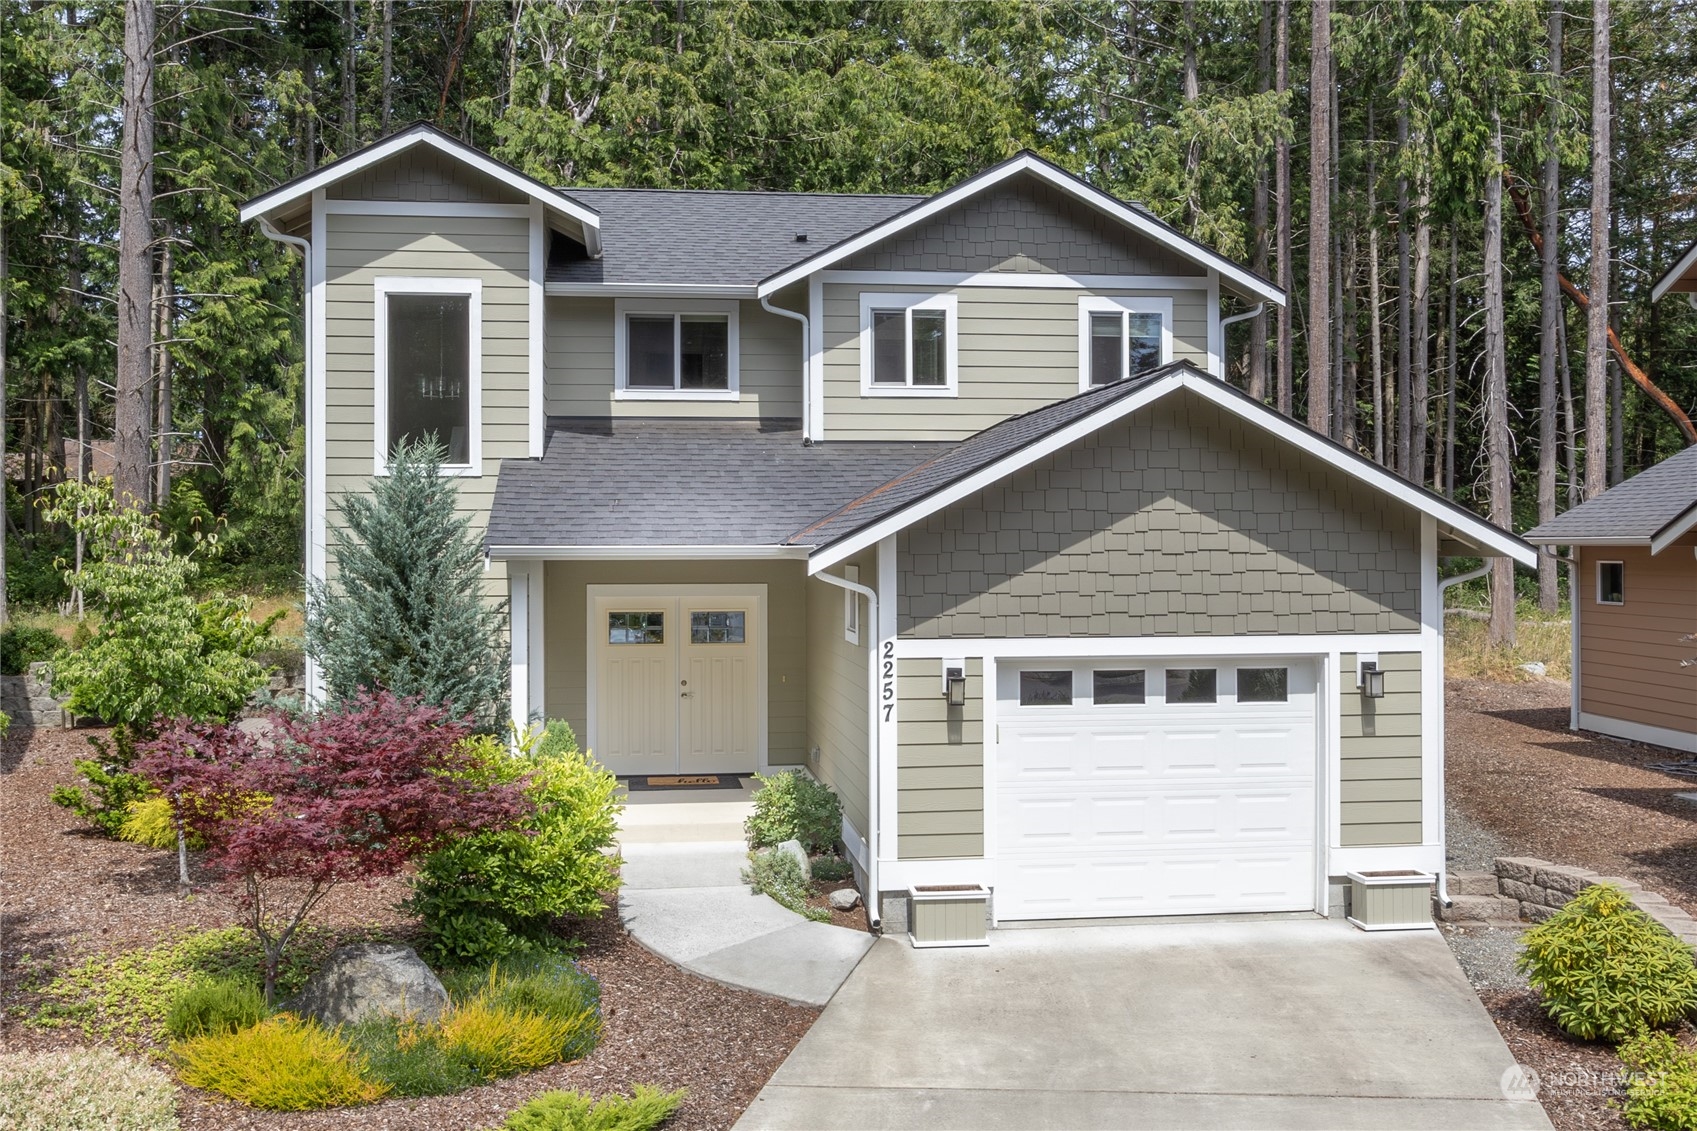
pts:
pixel 1525 888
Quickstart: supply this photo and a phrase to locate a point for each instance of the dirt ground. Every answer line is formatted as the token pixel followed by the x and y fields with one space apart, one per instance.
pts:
pixel 1515 769
pixel 67 894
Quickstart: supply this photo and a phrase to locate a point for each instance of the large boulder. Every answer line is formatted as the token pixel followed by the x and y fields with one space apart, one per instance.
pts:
pixel 794 849
pixel 368 980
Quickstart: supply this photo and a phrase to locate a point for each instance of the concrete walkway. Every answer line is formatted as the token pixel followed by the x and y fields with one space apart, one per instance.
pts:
pixel 1271 1024
pixel 684 899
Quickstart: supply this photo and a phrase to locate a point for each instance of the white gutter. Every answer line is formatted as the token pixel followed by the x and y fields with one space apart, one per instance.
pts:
pixel 1253 312
pixel 874 909
pixel 1443 830
pixel 806 373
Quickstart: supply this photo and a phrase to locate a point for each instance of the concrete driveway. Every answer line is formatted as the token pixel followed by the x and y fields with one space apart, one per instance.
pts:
pixel 1270 1024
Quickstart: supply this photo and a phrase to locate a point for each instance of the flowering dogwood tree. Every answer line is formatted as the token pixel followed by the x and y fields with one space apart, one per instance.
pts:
pixel 292 809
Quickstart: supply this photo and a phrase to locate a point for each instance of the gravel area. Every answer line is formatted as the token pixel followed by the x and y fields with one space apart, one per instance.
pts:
pixel 66 894
pixel 1486 955
pixel 1470 846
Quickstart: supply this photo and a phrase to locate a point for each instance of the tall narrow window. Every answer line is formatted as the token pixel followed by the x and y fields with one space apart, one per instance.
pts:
pixel 426 355
pixel 1611 583
pixel 907 344
pixel 1107 349
pixel 666 349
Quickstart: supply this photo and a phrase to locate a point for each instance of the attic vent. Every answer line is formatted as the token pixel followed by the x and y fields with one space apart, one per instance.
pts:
pixel 801 237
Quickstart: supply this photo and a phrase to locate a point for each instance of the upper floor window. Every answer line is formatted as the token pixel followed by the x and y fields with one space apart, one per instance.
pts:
pixel 427 362
pixel 1611 583
pixel 907 345
pixel 666 350
pixel 1121 336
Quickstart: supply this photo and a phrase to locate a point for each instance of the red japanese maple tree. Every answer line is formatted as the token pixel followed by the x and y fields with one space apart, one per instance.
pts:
pixel 293 808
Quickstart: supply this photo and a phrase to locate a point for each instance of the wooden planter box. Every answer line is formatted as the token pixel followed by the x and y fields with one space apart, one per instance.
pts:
pixel 948 915
pixel 1391 901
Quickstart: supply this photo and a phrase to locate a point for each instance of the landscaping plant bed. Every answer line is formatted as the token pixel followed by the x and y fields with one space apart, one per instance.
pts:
pixel 854 919
pixel 1579 1081
pixel 69 894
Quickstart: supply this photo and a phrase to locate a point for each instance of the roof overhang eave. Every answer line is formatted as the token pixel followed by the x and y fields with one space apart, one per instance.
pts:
pixel 759 552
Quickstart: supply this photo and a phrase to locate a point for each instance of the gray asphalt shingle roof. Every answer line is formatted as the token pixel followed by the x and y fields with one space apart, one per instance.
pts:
pixel 711 237
pixel 648 482
pixel 1634 510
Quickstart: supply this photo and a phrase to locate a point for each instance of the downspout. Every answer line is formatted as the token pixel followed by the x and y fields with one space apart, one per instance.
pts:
pixel 874 910
pixel 1252 312
pixel 806 367
pixel 1443 823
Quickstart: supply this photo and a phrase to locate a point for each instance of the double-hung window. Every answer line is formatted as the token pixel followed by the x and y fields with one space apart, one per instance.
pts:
pixel 427 354
pixel 668 350
pixel 908 345
pixel 1118 337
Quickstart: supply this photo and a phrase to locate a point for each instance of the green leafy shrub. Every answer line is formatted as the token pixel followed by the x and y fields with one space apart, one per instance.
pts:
pixel 778 874
pixel 1606 970
pixel 496 894
pixel 1661 1093
pixel 281 1064
pixel 830 869
pixel 91 1089
pixel 792 806
pixel 110 789
pixel 210 1005
pixel 574 1111
pixel 23 645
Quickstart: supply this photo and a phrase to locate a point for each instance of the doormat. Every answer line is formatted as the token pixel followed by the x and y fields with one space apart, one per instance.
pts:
pixel 683 781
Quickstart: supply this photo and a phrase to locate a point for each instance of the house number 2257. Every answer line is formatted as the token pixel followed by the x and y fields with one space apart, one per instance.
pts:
pixel 887 679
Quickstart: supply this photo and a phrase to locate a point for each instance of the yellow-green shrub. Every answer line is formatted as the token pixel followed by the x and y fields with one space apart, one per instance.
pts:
pixel 574 1111
pixel 497 1041
pixel 281 1064
pixel 1662 1092
pixel 151 822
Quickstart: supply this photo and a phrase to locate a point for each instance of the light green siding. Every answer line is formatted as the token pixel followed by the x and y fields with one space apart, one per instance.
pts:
pixel 423 174
pixel 579 365
pixel 940 763
pixel 837 704
pixel 1182 521
pixel 1380 796
pixel 1018 351
pixel 566 636
pixel 1023 225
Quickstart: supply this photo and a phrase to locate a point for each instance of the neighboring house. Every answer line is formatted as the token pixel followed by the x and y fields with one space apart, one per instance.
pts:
pixel 941 499
pixel 1635 605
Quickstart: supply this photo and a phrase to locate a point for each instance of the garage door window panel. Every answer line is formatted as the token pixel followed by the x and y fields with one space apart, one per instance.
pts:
pixel 1117 688
pixel 1049 688
pixel 1263 685
pixel 1192 685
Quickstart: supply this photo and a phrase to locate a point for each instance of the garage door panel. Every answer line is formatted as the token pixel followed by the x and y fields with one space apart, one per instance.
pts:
pixel 1076 754
pixel 1082 822
pixel 1152 883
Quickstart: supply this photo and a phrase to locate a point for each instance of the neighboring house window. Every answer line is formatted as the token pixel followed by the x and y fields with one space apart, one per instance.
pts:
pixel 427 354
pixel 668 350
pixel 1611 583
pixel 1121 336
pixel 908 345
pixel 851 606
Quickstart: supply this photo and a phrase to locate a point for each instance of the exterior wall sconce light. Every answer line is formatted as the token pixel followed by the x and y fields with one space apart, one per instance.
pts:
pixel 954 682
pixel 1371 680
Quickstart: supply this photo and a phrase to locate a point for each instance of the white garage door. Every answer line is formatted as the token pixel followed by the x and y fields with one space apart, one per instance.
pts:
pixel 1143 787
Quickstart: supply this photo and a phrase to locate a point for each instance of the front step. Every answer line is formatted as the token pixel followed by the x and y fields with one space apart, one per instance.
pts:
pixel 672 821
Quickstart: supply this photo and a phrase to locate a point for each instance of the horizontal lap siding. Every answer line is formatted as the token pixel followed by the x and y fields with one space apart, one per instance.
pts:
pixel 566 637
pixel 940 764
pixel 837 704
pixel 1380 796
pixel 1629 654
pixel 1017 351
pixel 1181 521
pixel 579 366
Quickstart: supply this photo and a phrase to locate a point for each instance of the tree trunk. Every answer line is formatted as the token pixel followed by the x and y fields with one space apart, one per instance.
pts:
pixel 1320 222
pixel 1419 375
pixel 5 606
pixel 1549 317
pixel 1258 216
pixel 1192 93
pixel 1349 350
pixel 1597 318
pixel 388 64
pixel 1336 256
pixel 1570 438
pixel 1284 378
pixel 1451 368
pixel 1375 326
pixel 1403 429
pixel 350 102
pixel 135 261
pixel 1497 448
pixel 162 377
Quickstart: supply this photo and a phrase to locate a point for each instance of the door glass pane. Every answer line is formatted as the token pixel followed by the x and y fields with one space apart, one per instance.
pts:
pixel 1105 345
pixel 930 347
pixel 1191 685
pixel 429 371
pixel 636 628
pixel 706 352
pixel 650 353
pixel 1115 688
pixel 1045 689
pixel 1143 339
pixel 1262 685
pixel 716 628
pixel 889 347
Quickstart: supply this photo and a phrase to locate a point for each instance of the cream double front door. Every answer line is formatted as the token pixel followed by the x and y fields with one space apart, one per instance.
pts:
pixel 677 682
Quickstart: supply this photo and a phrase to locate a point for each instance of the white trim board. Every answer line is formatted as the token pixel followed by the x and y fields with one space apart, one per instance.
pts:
pixel 907 302
pixel 382 288
pixel 1176 647
pixel 641 290
pixel 1186 376
pixel 1640 732
pixel 427 208
pixel 1016 280
pixel 537 326
pixel 1029 163
pixel 1674 529
pixel 317 420
pixel 646 553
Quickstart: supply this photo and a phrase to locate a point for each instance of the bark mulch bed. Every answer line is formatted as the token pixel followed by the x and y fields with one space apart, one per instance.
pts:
pixel 1571 798
pixel 1579 1082
pixel 66 894
pixel 854 920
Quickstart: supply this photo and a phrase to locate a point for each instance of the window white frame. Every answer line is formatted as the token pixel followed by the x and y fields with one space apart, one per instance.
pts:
pixel 382 287
pixel 851 606
pixel 907 302
pixel 1600 567
pixel 1121 305
pixel 624 308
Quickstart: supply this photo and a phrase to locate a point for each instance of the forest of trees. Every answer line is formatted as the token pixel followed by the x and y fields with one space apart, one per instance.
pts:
pixel 1424 178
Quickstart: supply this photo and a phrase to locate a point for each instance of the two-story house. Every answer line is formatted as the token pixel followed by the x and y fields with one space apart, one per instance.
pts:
pixel 939 498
